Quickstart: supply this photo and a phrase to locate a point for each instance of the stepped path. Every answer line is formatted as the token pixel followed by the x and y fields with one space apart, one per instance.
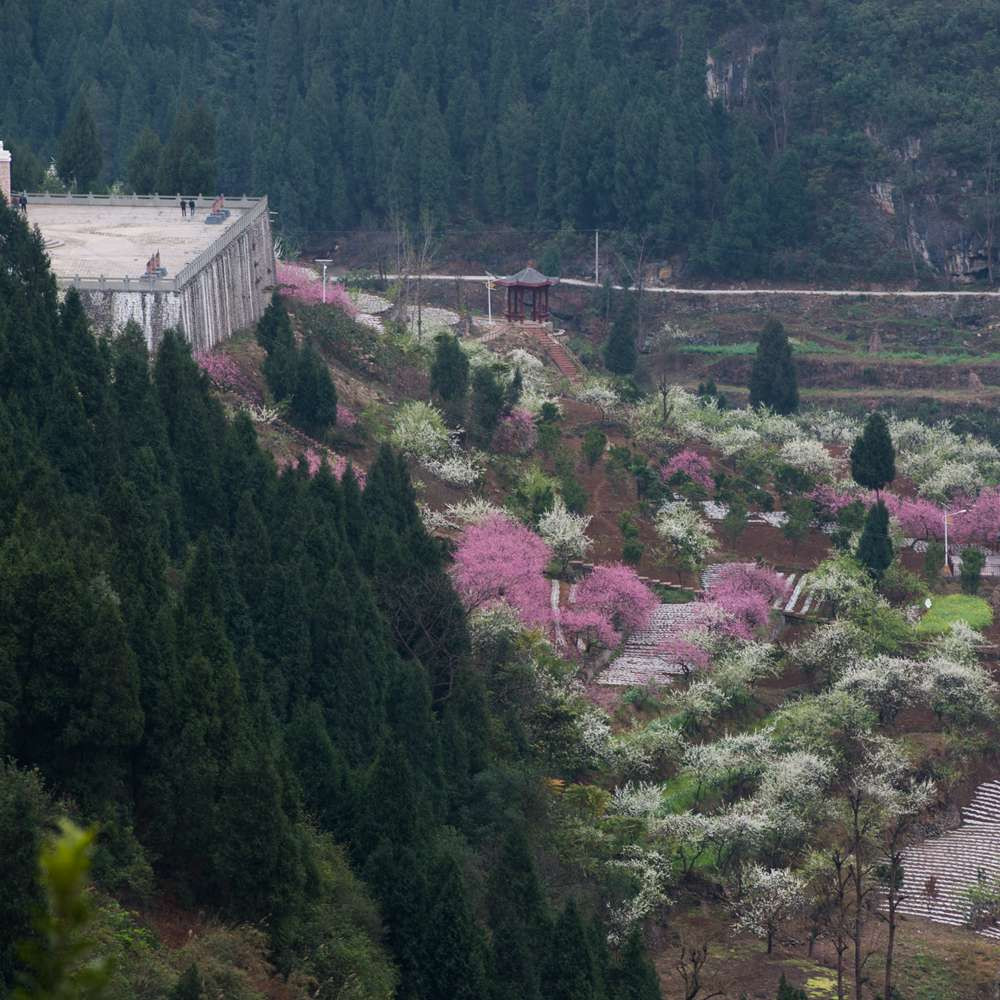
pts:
pixel 640 663
pixel 568 366
pixel 937 872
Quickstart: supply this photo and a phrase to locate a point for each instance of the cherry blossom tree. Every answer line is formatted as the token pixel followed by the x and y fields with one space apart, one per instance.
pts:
pixel 500 560
pixel 696 467
pixel 745 591
pixel 301 283
pixel 613 601
pixel 516 433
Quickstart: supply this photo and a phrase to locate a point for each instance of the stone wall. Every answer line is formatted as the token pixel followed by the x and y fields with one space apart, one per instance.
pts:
pixel 231 291
pixel 222 292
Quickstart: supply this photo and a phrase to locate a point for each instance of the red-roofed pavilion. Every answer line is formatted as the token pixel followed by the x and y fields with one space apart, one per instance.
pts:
pixel 527 295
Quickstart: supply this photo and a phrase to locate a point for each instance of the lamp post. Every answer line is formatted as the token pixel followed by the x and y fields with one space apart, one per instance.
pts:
pixel 320 260
pixel 489 298
pixel 947 514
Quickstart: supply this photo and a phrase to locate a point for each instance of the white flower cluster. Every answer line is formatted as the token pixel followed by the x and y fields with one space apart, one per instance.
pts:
pixel 941 462
pixel 653 873
pixel 433 520
pixel 419 431
pixel 686 532
pixel 460 468
pixel 471 511
pixel 564 532
pixel 770 896
pixel 809 456
pixel 594 739
pixel 640 799
pixel 830 426
pixel 645 750
pixel 743 666
pixel 600 393
pixel 745 754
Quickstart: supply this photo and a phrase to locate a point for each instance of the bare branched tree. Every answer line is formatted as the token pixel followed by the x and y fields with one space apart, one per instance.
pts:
pixel 689 965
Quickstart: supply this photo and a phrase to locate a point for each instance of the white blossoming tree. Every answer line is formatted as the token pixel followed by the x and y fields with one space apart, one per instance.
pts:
pixel 564 532
pixel 810 456
pixel 770 897
pixel 600 393
pixel 686 535
pixel 419 431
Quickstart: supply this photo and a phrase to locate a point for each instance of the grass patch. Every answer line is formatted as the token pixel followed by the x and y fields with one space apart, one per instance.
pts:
pixel 673 595
pixel 680 793
pixel 973 611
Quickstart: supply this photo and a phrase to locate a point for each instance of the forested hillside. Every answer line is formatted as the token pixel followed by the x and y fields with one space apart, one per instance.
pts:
pixel 760 138
pixel 261 688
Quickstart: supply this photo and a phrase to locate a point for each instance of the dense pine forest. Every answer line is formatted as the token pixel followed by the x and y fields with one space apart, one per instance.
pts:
pixel 261 688
pixel 748 138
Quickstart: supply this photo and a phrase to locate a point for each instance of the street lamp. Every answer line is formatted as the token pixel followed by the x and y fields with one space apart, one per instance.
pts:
pixel 947 514
pixel 320 260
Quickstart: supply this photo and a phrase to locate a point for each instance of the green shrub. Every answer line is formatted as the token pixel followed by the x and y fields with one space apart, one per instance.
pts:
pixel 973 561
pixel 594 443
pixel 933 561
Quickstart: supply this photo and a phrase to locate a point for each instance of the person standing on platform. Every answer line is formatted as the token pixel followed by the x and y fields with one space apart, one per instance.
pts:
pixel 184 209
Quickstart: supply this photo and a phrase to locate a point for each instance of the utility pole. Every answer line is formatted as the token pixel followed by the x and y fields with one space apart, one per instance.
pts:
pixel 324 263
pixel 489 298
pixel 597 256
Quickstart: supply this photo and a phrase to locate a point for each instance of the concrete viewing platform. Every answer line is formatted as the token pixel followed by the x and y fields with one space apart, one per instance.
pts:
pixel 114 238
pixel 217 277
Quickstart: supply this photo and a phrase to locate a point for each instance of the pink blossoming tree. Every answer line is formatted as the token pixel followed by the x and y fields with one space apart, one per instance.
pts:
pixel 516 434
pixel 302 284
pixel 611 603
pixel 499 560
pixel 745 592
pixel 696 467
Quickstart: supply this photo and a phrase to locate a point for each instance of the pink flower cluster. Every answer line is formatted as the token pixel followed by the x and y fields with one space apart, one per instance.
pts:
pixel 220 368
pixel 745 592
pixel 980 524
pixel 301 283
pixel 314 461
pixel 501 560
pixel 612 602
pixel 696 467
pixel 516 434
pixel 346 417
pixel 832 501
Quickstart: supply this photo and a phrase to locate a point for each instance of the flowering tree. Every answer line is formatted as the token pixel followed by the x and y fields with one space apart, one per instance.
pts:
pixel 696 467
pixel 601 394
pixel 770 897
pixel 345 416
pixel 516 433
pixel 746 591
pixel 809 456
pixel 564 532
pixel 305 285
pixel 220 368
pixel 499 560
pixel 614 597
pixel 419 431
pixel 686 534
pixel 458 468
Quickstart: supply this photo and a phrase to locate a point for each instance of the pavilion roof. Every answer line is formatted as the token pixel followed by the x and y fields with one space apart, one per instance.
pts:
pixel 527 277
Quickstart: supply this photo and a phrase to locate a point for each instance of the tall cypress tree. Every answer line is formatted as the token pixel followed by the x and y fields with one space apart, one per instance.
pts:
pixel 773 378
pixel 875 546
pixel 873 457
pixel 619 352
pixel 79 158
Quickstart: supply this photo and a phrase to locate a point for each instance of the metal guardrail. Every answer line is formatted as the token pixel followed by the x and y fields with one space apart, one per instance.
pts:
pixel 138 200
pixel 254 209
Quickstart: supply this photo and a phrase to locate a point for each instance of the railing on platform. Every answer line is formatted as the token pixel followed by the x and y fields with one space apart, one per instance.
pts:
pixel 138 200
pixel 253 210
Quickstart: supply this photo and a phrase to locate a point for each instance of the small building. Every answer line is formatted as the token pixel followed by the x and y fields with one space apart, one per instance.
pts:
pixel 527 295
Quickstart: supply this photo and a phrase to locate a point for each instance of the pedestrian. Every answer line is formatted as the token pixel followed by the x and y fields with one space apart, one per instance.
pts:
pixel 184 209
pixel 22 203
pixel 191 208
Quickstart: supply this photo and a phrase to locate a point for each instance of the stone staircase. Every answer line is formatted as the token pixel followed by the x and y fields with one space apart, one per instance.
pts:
pixel 639 663
pixel 568 366
pixel 796 600
pixel 937 871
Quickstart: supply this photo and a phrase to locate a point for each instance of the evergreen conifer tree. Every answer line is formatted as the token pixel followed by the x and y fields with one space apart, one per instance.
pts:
pixel 79 158
pixel 875 546
pixel 314 402
pixel 633 976
pixel 488 402
pixel 189 986
pixel 873 457
pixel 773 378
pixel 143 166
pixel 570 970
pixel 620 352
pixel 450 369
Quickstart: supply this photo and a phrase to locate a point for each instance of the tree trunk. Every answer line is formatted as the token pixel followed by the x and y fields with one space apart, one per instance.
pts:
pixel 857 875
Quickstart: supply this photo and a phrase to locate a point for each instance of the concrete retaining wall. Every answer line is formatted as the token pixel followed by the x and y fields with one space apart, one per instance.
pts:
pixel 223 291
